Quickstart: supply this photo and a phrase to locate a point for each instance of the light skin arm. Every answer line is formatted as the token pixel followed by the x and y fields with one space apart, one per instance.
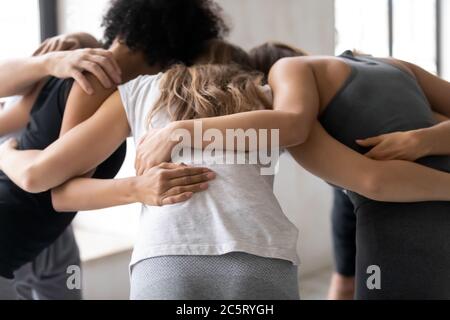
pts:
pixel 295 109
pixel 410 145
pixel 165 184
pixel 19 76
pixel 38 171
pixel 90 143
pixel 390 181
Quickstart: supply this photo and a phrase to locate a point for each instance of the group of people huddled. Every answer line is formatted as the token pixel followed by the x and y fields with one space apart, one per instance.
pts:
pixel 375 129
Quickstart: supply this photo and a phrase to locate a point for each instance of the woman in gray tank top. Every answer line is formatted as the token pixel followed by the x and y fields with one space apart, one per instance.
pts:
pixel 402 240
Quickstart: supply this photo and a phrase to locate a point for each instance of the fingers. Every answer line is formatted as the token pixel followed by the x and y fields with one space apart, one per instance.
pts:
pixel 40 50
pixel 195 188
pixel 370 142
pixel 43 49
pixel 141 141
pixel 98 72
pixel 110 58
pixel 192 180
pixel 177 199
pixel 71 44
pixel 183 171
pixel 83 82
pixel 380 154
pixel 108 66
pixel 54 45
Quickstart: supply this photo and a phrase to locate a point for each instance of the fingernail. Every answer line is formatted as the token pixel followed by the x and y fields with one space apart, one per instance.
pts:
pixel 204 186
pixel 189 195
pixel 211 175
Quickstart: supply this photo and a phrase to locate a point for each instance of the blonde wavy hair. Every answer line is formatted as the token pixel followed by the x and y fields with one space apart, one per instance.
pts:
pixel 220 84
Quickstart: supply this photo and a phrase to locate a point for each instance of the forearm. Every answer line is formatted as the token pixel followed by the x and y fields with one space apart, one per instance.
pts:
pixel 288 124
pixel 85 194
pixel 391 181
pixel 18 76
pixel 403 181
pixel 17 165
pixel 435 140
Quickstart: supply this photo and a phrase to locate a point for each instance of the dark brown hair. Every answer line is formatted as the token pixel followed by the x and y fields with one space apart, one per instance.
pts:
pixel 266 55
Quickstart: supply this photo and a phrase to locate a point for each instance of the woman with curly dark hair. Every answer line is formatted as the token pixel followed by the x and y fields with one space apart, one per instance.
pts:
pixel 143 37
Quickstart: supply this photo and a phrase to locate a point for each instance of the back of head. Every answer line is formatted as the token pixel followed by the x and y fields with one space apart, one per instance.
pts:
pixel 209 90
pixel 223 52
pixel 266 55
pixel 220 83
pixel 167 32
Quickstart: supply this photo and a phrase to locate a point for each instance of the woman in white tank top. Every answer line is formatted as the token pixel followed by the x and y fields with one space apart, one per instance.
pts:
pixel 239 213
pixel 231 242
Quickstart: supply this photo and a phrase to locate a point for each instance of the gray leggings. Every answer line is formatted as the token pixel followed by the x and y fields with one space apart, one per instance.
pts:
pixel 234 276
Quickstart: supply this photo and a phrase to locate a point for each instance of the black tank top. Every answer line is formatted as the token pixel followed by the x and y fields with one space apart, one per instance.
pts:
pixel 28 222
pixel 378 98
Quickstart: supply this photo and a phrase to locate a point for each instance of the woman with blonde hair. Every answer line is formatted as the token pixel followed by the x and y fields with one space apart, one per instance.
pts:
pixel 230 243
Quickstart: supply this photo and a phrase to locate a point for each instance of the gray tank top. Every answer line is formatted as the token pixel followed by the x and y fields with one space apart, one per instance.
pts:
pixel 378 98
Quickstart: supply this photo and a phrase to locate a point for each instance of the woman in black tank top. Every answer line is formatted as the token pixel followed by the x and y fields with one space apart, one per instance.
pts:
pixel 29 222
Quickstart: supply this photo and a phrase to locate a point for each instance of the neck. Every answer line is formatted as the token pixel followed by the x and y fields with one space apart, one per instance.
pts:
pixel 132 63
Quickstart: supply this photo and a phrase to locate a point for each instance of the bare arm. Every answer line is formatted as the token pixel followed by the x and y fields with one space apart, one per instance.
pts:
pixel 296 108
pixel 391 181
pixel 165 184
pixel 410 145
pixel 19 76
pixel 76 153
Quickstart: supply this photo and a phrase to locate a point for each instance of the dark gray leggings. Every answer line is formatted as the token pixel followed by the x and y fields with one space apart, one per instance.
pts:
pixel 234 276
pixel 344 234
pixel 410 243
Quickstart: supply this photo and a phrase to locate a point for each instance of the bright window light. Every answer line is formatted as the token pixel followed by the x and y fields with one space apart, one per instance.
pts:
pixel 362 25
pixel 19 28
pixel 415 32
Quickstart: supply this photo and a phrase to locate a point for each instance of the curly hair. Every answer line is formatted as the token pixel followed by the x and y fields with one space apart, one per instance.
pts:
pixel 166 31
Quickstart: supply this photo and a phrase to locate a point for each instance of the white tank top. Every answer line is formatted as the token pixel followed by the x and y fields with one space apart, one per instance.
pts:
pixel 238 213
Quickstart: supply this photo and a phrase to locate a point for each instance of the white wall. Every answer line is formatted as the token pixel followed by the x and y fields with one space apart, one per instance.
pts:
pixel 305 23
pixel 445 36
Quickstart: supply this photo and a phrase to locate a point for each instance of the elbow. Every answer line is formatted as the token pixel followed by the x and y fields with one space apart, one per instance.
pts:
pixel 31 181
pixel 297 134
pixel 373 186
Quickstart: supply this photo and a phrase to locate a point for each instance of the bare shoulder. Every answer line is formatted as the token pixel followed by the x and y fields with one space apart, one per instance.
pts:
pixel 290 64
pixel 318 64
